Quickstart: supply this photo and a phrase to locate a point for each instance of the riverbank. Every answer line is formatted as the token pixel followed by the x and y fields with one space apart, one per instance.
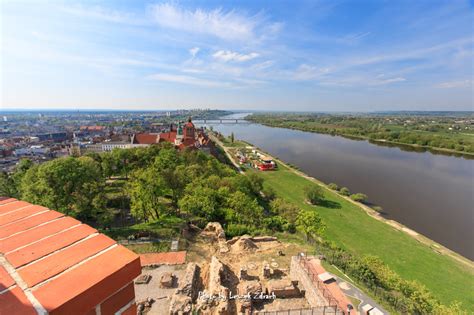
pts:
pixel 360 230
pixel 401 145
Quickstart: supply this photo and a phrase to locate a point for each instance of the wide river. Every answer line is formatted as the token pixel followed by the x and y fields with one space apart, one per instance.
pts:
pixel 431 194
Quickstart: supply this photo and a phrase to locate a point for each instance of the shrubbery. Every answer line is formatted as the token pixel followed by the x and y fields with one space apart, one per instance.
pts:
pixel 314 194
pixel 406 296
pixel 359 197
pixel 344 191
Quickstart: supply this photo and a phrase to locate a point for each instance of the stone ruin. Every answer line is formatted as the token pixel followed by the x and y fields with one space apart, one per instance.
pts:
pixel 248 288
pixel 207 292
pixel 243 244
pixel 167 280
pixel 215 233
pixel 284 288
pixel 218 303
pixel 186 294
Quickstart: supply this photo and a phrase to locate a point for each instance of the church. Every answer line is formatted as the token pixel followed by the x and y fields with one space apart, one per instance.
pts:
pixel 182 135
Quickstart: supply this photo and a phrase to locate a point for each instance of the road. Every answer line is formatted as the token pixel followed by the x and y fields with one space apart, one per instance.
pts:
pixel 351 290
pixel 226 150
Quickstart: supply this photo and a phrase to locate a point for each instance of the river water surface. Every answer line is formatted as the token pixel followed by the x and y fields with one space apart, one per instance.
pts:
pixel 431 194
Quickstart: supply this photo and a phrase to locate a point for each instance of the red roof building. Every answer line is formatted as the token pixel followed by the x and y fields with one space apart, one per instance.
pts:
pixel 146 138
pixel 182 136
pixel 54 264
pixel 92 128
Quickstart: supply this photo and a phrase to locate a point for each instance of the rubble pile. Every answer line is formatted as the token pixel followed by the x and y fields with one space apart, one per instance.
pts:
pixel 244 244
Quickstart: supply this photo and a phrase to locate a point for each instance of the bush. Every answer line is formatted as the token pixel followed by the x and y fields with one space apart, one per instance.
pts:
pixel 333 186
pixel 378 208
pixel 359 197
pixel 237 230
pixel 269 193
pixel 285 209
pixel 344 191
pixel 314 194
pixel 275 223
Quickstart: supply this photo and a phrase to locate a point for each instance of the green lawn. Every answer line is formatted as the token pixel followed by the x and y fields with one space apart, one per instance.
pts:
pixel 350 227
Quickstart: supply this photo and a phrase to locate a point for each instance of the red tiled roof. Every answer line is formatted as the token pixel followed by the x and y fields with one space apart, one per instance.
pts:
pixel 92 128
pixel 146 138
pixel 169 136
pixel 53 263
pixel 168 258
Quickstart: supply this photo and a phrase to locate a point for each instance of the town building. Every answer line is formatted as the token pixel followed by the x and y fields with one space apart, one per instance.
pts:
pixel 53 264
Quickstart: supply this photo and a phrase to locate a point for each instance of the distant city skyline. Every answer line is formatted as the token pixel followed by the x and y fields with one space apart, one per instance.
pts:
pixel 244 55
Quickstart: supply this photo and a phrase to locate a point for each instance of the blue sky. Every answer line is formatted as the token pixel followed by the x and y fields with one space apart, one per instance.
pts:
pixel 274 55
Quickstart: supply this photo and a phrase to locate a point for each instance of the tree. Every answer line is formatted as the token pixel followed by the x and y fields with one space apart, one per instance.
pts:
pixel 359 197
pixel 256 183
pixel 17 176
pixel 333 186
pixel 73 186
pixel 232 137
pixel 202 202
pixel 344 191
pixel 314 194
pixel 146 195
pixel 246 209
pixel 310 223
pixel 285 209
pixel 7 185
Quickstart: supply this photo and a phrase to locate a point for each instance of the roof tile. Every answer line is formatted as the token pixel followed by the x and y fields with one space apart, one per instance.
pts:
pixel 62 260
pixel 15 302
pixel 28 222
pixel 20 213
pixel 12 206
pixel 48 245
pixel 6 280
pixel 40 232
pixel 92 282
pixel 118 300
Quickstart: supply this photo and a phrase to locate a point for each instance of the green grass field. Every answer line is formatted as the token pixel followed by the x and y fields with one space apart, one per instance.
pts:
pixel 352 228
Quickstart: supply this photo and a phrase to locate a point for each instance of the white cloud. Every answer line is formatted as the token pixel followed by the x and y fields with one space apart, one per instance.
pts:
pixel 455 84
pixel 307 72
pixel 229 25
pixel 380 81
pixel 184 79
pixel 193 51
pixel 357 36
pixel 226 55
pixel 365 80
pixel 263 65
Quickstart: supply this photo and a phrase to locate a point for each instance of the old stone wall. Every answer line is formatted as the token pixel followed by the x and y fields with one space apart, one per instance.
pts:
pixel 312 294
